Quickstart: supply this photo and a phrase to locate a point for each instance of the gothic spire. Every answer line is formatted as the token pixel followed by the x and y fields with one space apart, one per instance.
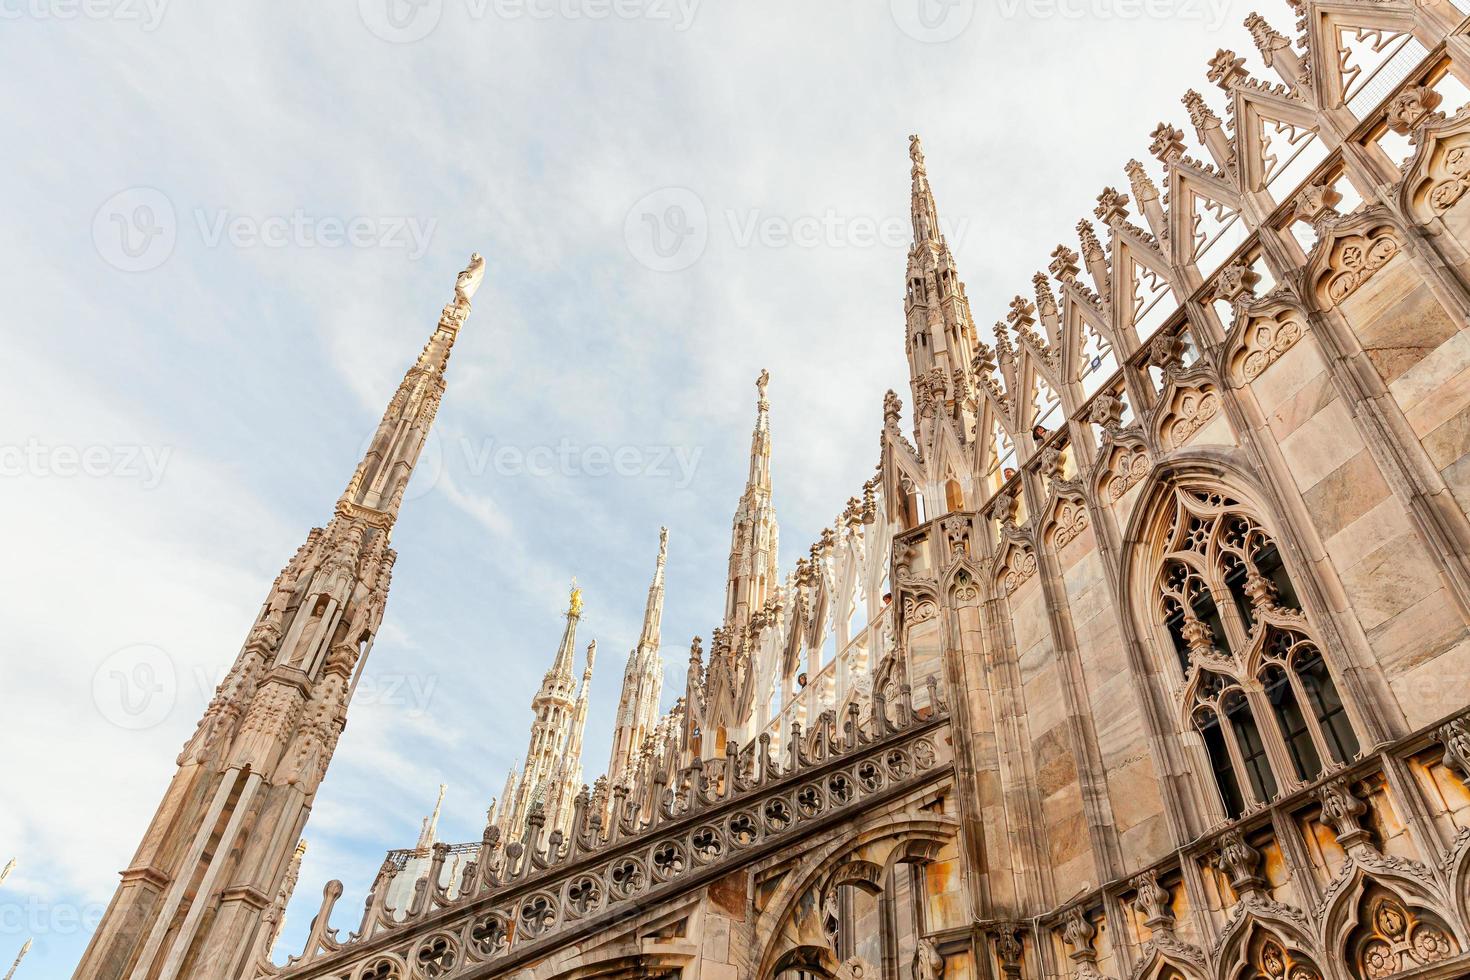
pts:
pixel 24 949
pixel 760 439
pixel 561 668
pixel 752 571
pixel 268 735
pixel 923 210
pixel 377 485
pixel 429 830
pixel 638 703
pixel 939 336
pixel 653 610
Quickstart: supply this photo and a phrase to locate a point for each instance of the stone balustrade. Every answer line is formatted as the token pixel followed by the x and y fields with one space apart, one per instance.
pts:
pixel 518 901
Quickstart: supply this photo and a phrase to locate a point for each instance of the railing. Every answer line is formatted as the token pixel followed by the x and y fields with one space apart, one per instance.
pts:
pixel 525 899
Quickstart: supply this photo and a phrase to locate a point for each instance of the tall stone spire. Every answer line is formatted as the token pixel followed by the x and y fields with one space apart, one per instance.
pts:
pixel 191 902
pixel 429 830
pixel 753 540
pixel 940 340
pixel 553 757
pixel 24 949
pixel 643 678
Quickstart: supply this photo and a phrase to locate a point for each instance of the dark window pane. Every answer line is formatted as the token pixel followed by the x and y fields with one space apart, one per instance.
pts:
pixel 1327 706
pixel 1293 724
pixel 1209 728
pixel 1252 749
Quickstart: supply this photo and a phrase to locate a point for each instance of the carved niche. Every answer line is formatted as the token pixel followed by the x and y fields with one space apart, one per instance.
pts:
pixel 1071 520
pixel 1189 410
pixel 1263 340
pixel 1393 938
pixel 1353 258
pixel 1439 173
pixel 1018 566
pixel 1124 466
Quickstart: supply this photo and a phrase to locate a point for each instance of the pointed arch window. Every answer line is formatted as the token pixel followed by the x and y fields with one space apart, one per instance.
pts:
pixel 1254 681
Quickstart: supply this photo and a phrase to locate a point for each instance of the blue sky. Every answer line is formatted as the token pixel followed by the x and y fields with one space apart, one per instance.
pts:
pixel 176 419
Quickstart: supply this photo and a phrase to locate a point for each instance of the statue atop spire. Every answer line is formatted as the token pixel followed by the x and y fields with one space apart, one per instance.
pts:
pixel 916 152
pixel 469 280
pixel 574 610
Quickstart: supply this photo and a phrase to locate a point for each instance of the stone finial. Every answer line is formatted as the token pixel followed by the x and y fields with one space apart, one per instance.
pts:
pixel 1020 315
pixel 1046 303
pixel 1344 812
pixel 1236 283
pixel 1317 202
pixel 1198 637
pixel 1168 143
pixel 1008 948
pixel 1241 863
pixel 1112 206
pixel 1092 249
pixel 928 964
pixel 1267 40
pixel 1140 182
pixel 696 651
pixel 1413 107
pixel 1167 351
pixel 1078 932
pixel 1200 113
pixel 983 363
pixel 892 409
pixel 1107 411
pixel 1004 352
pixel 1153 902
pixel 1453 735
pixel 1227 69
pixel 1051 463
pixel 1004 509
pixel 1064 264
